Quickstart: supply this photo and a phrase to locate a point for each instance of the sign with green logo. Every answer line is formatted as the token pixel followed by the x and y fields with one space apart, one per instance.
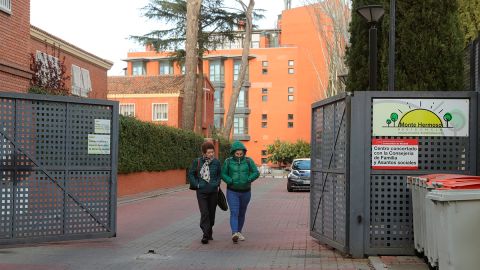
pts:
pixel 420 117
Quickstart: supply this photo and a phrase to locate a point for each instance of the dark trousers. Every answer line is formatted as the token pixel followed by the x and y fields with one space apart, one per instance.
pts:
pixel 207 202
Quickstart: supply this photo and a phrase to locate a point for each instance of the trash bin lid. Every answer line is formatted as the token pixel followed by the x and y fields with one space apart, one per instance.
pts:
pixel 454 195
pixel 463 183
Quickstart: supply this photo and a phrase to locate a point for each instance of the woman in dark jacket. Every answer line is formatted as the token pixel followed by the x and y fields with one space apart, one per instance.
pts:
pixel 204 177
pixel 238 172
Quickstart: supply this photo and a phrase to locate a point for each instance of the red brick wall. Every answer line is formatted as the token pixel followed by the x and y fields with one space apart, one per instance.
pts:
pixel 14 47
pixel 98 75
pixel 134 183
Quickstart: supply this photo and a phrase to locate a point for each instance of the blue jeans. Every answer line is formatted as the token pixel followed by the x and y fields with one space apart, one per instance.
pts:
pixel 237 202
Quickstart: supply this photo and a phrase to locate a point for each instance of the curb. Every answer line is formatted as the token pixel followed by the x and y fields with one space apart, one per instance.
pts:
pixel 377 263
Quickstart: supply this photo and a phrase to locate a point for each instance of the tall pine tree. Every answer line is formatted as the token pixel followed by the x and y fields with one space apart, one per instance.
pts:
pixel 429 47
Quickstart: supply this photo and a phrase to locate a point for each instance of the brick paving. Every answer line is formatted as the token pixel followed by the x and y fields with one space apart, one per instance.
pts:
pixel 166 222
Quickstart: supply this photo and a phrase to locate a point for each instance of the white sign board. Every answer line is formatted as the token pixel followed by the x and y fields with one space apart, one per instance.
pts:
pixel 98 144
pixel 420 117
pixel 102 126
pixel 395 154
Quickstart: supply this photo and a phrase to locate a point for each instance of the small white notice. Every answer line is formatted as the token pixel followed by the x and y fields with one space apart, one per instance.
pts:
pixel 98 144
pixel 102 126
pixel 395 154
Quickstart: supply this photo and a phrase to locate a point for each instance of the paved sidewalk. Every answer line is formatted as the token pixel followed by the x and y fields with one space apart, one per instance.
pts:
pixel 166 223
pixel 397 263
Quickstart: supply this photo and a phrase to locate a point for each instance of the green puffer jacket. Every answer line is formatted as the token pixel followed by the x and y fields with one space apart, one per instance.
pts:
pixel 239 173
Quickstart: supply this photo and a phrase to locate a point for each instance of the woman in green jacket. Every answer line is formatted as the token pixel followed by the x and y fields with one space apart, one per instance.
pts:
pixel 204 177
pixel 238 172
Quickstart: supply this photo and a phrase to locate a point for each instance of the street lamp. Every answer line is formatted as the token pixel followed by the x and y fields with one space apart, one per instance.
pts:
pixel 372 13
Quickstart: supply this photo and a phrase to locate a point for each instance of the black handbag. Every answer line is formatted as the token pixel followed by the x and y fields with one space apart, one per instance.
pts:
pixel 221 200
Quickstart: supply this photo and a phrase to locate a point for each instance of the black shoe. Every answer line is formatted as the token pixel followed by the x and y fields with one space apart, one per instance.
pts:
pixel 205 240
pixel 210 238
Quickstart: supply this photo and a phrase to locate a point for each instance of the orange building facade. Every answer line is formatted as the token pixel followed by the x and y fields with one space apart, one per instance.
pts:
pixel 157 99
pixel 87 73
pixel 287 73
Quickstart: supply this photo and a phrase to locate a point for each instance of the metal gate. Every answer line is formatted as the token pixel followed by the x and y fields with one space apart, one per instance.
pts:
pixel 363 211
pixel 329 185
pixel 57 168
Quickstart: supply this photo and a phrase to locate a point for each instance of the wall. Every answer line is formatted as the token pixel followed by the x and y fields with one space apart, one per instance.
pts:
pixel 143 106
pixel 134 183
pixel 97 67
pixel 14 47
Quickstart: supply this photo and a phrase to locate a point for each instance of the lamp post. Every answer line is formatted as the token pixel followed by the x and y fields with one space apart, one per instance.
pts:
pixel 372 13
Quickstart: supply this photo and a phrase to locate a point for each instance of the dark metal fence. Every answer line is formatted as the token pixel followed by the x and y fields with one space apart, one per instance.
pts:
pixel 365 211
pixel 58 159
pixel 472 66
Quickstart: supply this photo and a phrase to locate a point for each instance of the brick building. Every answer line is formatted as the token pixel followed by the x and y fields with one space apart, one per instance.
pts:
pixel 157 98
pixel 18 40
pixel 287 73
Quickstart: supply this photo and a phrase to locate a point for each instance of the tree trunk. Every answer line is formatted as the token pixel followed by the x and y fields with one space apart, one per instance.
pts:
pixel 227 129
pixel 199 107
pixel 193 12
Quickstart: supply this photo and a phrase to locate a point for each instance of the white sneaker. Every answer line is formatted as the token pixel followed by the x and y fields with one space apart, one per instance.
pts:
pixel 235 237
pixel 241 237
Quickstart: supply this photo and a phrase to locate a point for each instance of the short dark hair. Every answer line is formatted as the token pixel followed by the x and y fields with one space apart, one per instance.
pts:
pixel 207 145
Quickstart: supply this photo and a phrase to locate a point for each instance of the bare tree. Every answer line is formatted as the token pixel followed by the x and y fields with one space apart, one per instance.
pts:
pixel 191 60
pixel 247 38
pixel 332 18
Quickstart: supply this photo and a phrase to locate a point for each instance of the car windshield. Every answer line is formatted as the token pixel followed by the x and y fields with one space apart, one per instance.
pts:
pixel 301 165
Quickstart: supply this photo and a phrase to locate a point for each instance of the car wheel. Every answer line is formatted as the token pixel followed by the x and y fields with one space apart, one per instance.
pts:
pixel 289 187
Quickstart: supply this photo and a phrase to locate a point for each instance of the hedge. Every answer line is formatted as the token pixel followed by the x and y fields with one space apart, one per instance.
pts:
pixel 146 146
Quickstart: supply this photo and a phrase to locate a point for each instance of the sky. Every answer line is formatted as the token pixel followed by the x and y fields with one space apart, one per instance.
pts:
pixel 102 27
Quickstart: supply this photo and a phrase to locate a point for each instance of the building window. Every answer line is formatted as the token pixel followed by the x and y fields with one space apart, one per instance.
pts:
pixel 291 90
pixel 236 70
pixel 290 124
pixel 290 116
pixel 127 109
pixel 264 117
pixel 218 100
pixel 264 152
pixel 255 41
pixel 218 121
pixel 264 124
pixel 216 72
pixel 291 63
pixel 240 126
pixel 138 68
pixel 264 71
pixel 264 63
pixel 48 68
pixel 166 67
pixel 291 98
pixel 242 99
pixel 291 71
pixel 6 5
pixel 264 98
pixel 264 160
pixel 264 91
pixel 81 84
pixel 160 112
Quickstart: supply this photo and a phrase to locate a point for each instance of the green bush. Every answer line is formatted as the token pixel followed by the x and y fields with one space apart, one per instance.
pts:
pixel 146 146
pixel 282 152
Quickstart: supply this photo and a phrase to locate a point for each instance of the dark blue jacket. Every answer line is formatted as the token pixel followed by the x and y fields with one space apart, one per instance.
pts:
pixel 202 185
